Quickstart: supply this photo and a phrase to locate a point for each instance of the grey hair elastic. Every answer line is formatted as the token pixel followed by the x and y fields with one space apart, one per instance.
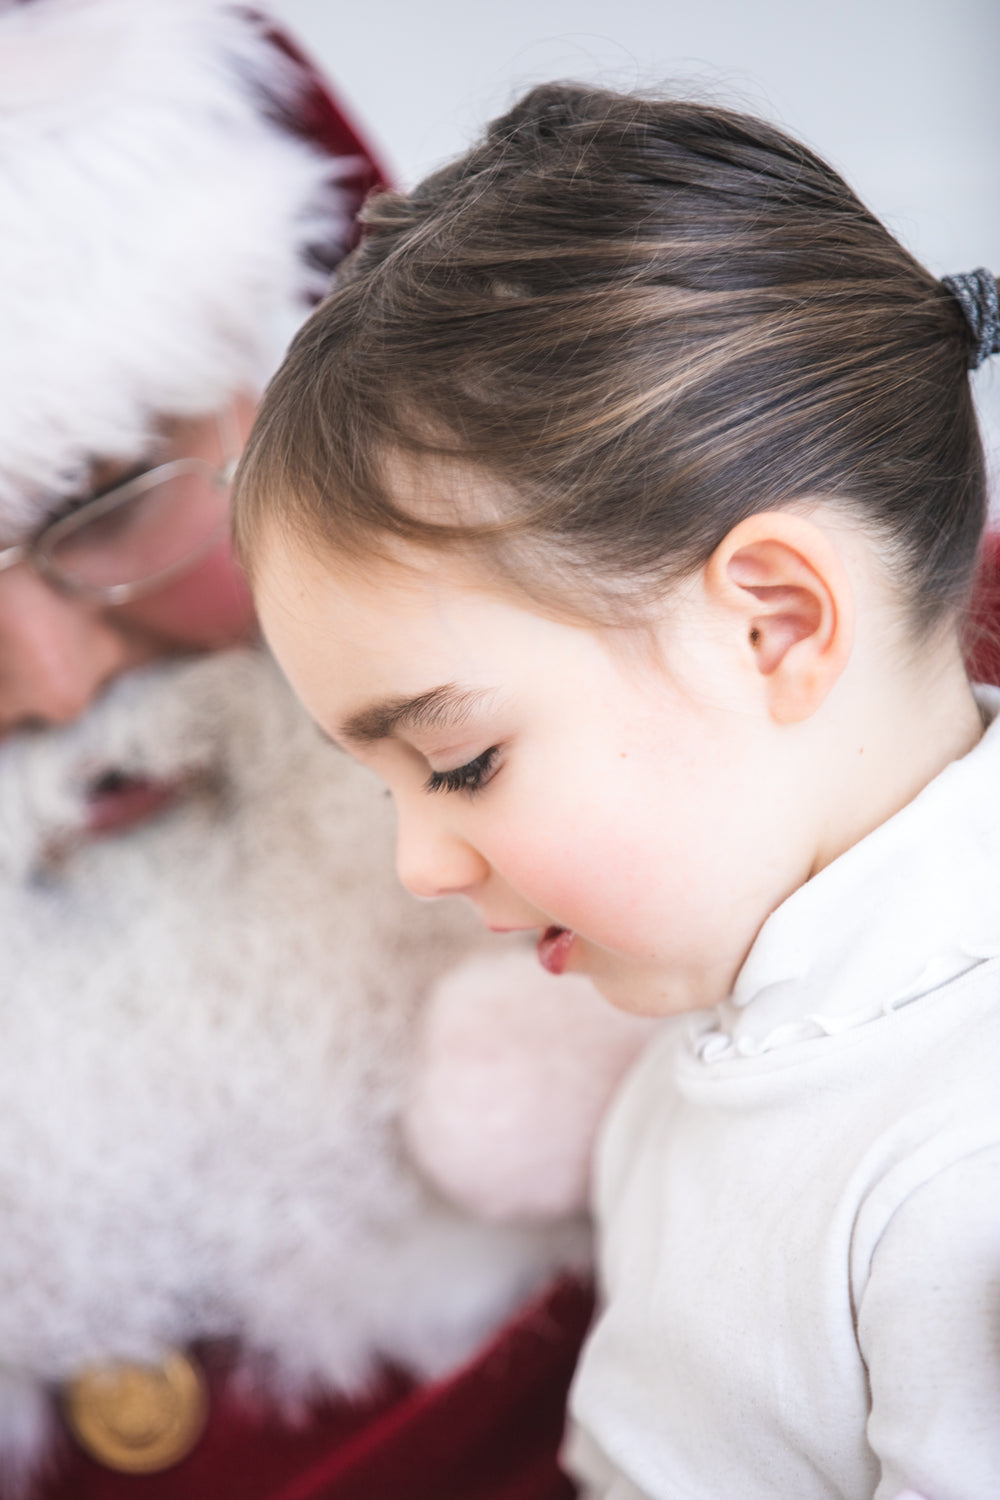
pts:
pixel 976 294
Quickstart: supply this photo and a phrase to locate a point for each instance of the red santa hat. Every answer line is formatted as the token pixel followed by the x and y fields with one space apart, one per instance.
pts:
pixel 175 185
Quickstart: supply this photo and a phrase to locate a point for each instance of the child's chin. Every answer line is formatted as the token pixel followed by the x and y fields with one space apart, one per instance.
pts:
pixel 618 992
pixel 640 994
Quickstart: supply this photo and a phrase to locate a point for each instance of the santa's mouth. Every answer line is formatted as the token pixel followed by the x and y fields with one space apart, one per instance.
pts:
pixel 117 801
pixel 553 948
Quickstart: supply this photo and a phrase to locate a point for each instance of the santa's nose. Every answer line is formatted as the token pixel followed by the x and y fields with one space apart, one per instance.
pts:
pixel 55 653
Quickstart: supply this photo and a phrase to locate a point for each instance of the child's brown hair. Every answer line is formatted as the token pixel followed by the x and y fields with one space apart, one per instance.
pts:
pixel 640 321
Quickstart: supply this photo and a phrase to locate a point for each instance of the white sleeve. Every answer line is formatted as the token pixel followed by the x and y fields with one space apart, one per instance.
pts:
pixel 929 1331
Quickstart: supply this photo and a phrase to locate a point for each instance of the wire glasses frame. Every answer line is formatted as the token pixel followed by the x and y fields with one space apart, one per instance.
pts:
pixel 101 529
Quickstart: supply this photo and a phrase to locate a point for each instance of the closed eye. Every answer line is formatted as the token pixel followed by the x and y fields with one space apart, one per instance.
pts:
pixel 470 778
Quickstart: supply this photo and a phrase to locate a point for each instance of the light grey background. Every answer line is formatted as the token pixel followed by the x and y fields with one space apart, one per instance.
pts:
pixel 902 96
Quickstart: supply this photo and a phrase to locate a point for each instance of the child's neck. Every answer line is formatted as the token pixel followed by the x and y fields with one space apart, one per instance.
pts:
pixel 916 723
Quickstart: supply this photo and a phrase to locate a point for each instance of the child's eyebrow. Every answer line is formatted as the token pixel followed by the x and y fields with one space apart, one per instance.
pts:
pixel 440 707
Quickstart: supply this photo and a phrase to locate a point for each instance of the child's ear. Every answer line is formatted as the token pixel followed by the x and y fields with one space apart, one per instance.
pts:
pixel 781 579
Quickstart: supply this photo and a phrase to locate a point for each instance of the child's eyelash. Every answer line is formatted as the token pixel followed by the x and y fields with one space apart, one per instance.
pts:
pixel 468 778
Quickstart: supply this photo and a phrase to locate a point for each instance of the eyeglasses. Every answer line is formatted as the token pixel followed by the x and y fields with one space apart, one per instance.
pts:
pixel 139 535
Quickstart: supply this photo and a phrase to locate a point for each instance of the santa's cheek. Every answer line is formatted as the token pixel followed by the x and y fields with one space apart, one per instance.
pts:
pixel 207 608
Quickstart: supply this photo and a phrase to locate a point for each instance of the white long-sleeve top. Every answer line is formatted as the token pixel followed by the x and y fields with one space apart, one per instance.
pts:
pixel 799 1195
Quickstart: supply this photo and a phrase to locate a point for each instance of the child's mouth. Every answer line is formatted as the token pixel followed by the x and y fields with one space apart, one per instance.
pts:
pixel 553 948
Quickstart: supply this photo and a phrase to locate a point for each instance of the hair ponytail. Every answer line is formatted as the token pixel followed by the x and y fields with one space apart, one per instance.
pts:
pixel 640 321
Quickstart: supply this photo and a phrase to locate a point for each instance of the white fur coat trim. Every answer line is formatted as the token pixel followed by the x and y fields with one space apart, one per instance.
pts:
pixel 209 1032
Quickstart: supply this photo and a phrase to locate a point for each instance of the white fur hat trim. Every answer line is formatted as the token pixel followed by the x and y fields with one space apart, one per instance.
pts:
pixel 154 224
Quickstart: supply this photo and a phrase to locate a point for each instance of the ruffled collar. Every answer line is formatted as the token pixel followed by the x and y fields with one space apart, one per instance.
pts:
pixel 909 908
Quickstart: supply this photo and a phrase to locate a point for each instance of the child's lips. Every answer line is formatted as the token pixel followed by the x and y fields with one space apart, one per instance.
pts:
pixel 553 948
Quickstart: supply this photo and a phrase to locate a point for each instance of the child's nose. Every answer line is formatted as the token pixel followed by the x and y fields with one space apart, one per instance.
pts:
pixel 432 862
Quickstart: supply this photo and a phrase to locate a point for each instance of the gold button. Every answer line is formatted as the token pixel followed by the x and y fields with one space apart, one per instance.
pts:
pixel 139 1418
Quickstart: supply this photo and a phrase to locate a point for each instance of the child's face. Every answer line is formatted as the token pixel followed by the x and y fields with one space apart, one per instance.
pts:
pixel 547 772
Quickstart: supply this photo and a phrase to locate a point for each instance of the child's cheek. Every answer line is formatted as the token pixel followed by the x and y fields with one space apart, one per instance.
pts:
pixel 578 877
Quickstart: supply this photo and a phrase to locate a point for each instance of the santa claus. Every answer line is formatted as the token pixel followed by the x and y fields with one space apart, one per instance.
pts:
pixel 210 981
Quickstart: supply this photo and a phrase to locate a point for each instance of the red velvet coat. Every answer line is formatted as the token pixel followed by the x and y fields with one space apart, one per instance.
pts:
pixel 491 1432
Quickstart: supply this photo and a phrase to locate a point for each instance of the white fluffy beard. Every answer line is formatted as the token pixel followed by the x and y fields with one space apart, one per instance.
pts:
pixel 207 1023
